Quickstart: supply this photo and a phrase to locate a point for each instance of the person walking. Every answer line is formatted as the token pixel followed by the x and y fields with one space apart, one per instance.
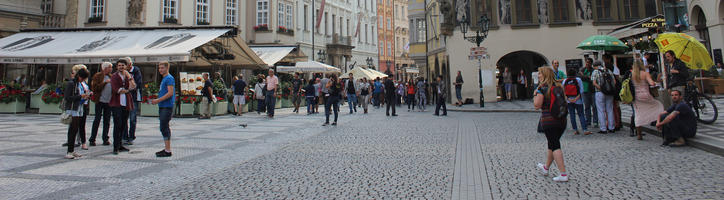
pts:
pixel 272 83
pixel 364 88
pixel 121 103
pixel 334 90
pixel 377 94
pixel 604 102
pixel 573 88
pixel 508 84
pixel 646 108
pixel 101 88
pixel 317 94
pixel 458 89
pixel 350 88
pixel 410 100
pixel 137 97
pixel 259 93
pixel 588 93
pixel 440 102
pixel 239 89
pixel 208 97
pixel 390 94
pixel 165 103
pixel 309 91
pixel 75 95
pixel 421 98
pixel 400 92
pixel 297 92
pixel 552 127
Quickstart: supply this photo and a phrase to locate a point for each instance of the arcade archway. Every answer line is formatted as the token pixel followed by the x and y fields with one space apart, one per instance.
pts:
pixel 528 62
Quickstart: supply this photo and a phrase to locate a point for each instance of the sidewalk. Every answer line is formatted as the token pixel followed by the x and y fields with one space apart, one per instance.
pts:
pixel 503 106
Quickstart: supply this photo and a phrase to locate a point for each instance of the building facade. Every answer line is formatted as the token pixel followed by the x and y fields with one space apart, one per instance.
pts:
pixel 20 14
pixel 706 24
pixel 404 65
pixel 417 31
pixel 154 13
pixel 386 32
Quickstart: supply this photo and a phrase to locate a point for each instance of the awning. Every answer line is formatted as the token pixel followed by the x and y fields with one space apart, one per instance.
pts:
pixel 639 27
pixel 309 67
pixel 377 73
pixel 272 55
pixel 359 72
pixel 97 46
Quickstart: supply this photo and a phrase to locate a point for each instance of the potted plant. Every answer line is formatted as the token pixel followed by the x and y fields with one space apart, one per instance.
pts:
pixel 52 96
pixel 95 19
pixel 286 88
pixel 170 20
pixel 150 92
pixel 202 23
pixel 11 98
pixel 187 104
pixel 261 27
pixel 221 106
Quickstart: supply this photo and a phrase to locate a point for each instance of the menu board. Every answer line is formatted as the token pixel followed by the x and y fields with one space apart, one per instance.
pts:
pixel 191 83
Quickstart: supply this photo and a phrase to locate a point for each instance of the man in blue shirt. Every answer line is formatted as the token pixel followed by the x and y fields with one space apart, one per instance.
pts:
pixel 377 93
pixel 165 107
pixel 678 122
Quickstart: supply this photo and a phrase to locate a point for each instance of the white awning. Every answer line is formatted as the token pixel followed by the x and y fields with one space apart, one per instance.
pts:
pixel 96 46
pixel 310 66
pixel 272 55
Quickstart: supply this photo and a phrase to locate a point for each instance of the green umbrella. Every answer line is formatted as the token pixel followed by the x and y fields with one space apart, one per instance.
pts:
pixel 602 42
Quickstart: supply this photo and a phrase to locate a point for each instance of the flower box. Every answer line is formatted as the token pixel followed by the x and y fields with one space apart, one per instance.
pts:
pixel 278 103
pixel 12 107
pixel 49 108
pixel 220 108
pixel 36 100
pixel 149 110
pixel 188 108
pixel 286 103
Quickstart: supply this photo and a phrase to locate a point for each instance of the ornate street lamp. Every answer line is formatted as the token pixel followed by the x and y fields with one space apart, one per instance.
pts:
pixel 322 56
pixel 480 34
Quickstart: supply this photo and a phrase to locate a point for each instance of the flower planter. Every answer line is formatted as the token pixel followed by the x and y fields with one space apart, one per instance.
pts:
pixel 287 103
pixel 187 109
pixel 12 107
pixel 46 108
pixel 220 108
pixel 149 110
pixel 36 100
pixel 278 103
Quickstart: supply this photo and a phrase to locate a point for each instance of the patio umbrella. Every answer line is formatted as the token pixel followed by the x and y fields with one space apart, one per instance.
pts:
pixel 688 49
pixel 602 43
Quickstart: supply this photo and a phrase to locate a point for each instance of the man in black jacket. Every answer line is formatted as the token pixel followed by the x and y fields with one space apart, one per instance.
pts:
pixel 137 97
pixel 676 72
pixel 440 101
pixel 390 94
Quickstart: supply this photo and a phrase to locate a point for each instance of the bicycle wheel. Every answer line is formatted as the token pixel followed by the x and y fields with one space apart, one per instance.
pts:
pixel 706 111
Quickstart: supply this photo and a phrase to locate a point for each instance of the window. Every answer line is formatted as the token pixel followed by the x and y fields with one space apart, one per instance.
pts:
pixel 290 21
pixel 340 26
pixel 281 13
pixel 603 9
pixel 389 24
pixel 326 25
pixel 46 6
pixel 231 8
pixel 421 30
pixel 315 20
pixel 262 12
pixel 306 17
pixel 389 49
pixel 348 30
pixel 366 41
pixel 560 10
pixel 523 12
pixel 97 10
pixel 202 12
pixel 334 24
pixel 170 10
pixel 630 9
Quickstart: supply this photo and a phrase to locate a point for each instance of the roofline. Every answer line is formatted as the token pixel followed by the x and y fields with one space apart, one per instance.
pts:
pixel 234 29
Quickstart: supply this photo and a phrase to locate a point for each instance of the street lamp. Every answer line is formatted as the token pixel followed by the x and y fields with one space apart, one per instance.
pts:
pixel 370 61
pixel 480 35
pixel 322 56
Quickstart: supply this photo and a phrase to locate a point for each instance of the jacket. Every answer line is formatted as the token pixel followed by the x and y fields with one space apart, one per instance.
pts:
pixel 137 93
pixel 347 85
pixel 441 91
pixel 680 78
pixel 97 86
pixel 117 83
pixel 71 95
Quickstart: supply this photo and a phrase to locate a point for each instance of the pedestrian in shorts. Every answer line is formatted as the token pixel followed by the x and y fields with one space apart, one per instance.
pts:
pixel 165 104
pixel 239 89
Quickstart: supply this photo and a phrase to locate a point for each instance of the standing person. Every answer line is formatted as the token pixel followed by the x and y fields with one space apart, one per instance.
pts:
pixel 208 97
pixel 86 109
pixel 458 89
pixel 560 75
pixel 609 64
pixel 534 76
pixel 676 73
pixel 604 102
pixel 364 93
pixel 646 108
pixel 309 91
pixel 272 83
pixel 523 81
pixel 350 88
pixel 573 88
pixel 334 91
pixel 137 97
pixel 259 93
pixel 324 93
pixel 165 107
pixel 390 95
pixel 440 102
pixel 75 95
pixel 552 127
pixel 410 95
pixel 678 122
pixel 421 98
pixel 400 92
pixel 297 92
pixel 588 93
pixel 508 83
pixel 121 103
pixel 239 94
pixel 101 88
pixel 317 93
pixel 377 94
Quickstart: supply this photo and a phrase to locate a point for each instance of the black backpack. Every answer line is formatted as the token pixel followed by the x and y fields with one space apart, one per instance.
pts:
pixel 608 87
pixel 558 103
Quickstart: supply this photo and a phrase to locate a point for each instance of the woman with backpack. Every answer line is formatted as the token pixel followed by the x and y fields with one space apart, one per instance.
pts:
pixel 410 100
pixel 646 108
pixel 259 92
pixel 552 125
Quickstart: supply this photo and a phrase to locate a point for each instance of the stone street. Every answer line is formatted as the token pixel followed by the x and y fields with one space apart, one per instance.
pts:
pixel 414 156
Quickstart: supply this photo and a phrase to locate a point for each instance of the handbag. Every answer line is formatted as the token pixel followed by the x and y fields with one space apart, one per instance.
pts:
pixel 65 118
pixel 654 91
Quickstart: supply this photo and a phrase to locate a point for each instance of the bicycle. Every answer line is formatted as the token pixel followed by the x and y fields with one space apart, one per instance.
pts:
pixel 704 107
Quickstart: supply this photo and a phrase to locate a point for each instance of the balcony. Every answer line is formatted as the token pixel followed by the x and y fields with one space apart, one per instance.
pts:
pixel 52 21
pixel 341 40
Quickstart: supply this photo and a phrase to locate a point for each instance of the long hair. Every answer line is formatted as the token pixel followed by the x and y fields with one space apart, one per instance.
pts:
pixel 549 78
pixel 638 66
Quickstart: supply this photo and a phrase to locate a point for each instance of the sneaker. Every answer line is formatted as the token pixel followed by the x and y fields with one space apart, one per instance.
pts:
pixel 334 123
pixel 106 143
pixel 587 133
pixel 92 144
pixel 542 169
pixel 69 156
pixel 123 149
pixel 576 133
pixel 560 178
pixel 76 155
pixel 325 124
pixel 163 153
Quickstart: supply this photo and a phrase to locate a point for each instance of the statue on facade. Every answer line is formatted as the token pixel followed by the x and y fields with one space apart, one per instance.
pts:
pixel 135 11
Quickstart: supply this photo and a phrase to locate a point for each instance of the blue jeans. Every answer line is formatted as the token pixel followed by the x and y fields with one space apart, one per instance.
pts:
pixel 310 104
pixel 164 115
pixel 259 105
pixel 572 110
pixel 270 101
pixel 352 100
pixel 589 103
pixel 131 134
pixel 332 102
pixel 120 123
pixel 103 112
pixel 459 94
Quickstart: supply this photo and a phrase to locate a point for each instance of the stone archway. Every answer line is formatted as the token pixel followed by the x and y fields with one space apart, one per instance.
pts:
pixel 525 60
pixel 721 11
pixel 698 21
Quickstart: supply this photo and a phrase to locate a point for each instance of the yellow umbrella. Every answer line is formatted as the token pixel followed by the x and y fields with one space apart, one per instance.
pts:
pixel 687 49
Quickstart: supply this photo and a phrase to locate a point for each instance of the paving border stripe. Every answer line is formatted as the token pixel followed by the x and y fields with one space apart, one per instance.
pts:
pixel 696 143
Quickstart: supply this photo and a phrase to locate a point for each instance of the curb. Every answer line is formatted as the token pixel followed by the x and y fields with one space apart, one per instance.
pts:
pixel 699 141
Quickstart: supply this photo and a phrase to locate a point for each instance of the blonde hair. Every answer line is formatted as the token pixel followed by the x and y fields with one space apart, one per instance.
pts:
pixel 549 78
pixel 77 68
pixel 638 66
pixel 105 65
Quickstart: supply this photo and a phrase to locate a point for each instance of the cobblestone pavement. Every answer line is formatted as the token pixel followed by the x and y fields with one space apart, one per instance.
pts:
pixel 413 156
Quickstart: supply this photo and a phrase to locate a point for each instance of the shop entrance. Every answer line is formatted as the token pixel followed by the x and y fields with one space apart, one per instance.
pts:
pixel 528 62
